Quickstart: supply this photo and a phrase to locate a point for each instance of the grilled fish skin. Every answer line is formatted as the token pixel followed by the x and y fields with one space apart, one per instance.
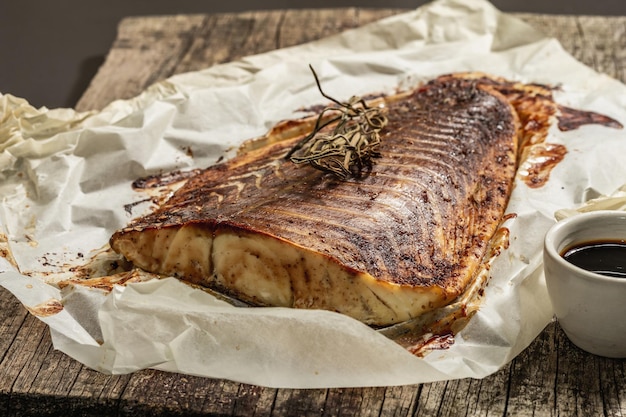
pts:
pixel 404 239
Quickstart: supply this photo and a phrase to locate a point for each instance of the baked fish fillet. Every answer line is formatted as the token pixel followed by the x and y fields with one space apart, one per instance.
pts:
pixel 404 239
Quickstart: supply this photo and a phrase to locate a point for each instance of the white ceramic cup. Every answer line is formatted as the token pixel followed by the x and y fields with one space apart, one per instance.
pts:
pixel 590 308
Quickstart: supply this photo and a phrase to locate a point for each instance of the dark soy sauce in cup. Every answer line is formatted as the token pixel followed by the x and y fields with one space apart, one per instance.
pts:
pixel 604 257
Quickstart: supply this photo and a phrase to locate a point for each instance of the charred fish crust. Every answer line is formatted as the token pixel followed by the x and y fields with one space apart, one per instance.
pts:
pixel 411 233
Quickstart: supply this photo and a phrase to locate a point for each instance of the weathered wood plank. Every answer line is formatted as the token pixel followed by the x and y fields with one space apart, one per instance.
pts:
pixel 613 387
pixel 550 378
pixel 531 388
pixel 254 401
pixel 150 53
pixel 21 354
pixel 577 394
pixel 96 394
pixel 12 316
pixel 397 401
pixel 148 50
pixel 299 402
pixel 596 41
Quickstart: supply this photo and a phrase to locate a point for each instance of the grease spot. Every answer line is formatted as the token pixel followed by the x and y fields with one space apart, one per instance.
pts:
pixel 47 308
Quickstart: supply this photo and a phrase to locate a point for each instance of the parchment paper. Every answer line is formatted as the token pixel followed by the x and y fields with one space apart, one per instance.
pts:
pixel 65 180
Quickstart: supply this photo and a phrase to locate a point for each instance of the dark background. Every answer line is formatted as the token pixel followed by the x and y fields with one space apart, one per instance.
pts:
pixel 50 49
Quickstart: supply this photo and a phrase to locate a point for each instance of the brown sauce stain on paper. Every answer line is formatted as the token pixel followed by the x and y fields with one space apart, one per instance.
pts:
pixel 500 241
pixel 571 119
pixel 159 186
pixel 162 180
pixel 541 160
pixel 5 251
pixel 433 342
pixel 104 283
pixel 47 308
pixel 128 208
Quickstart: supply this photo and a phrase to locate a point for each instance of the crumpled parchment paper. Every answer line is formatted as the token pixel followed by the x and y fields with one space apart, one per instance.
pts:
pixel 65 180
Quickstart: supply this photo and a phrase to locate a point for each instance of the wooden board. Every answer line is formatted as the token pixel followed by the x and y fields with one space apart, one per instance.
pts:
pixel 550 378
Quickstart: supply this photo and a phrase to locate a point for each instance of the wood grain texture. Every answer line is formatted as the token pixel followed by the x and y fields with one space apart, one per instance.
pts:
pixel 148 50
pixel 550 378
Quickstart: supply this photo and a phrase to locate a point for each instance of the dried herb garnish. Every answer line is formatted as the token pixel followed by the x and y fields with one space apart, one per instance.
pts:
pixel 347 148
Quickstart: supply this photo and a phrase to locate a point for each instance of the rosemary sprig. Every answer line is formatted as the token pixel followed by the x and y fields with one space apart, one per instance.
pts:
pixel 349 147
